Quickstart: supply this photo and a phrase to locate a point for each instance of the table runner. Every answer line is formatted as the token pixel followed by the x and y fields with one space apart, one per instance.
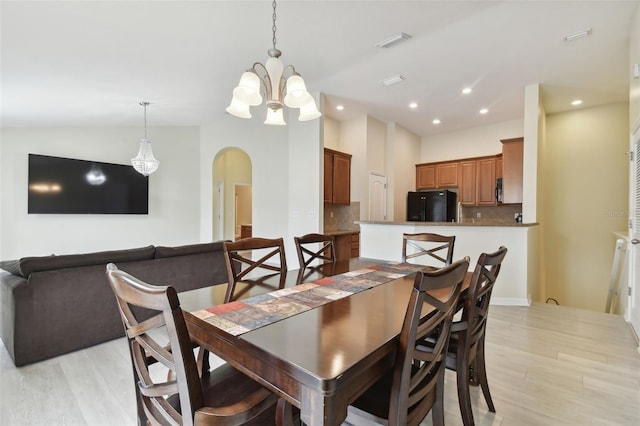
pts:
pixel 241 316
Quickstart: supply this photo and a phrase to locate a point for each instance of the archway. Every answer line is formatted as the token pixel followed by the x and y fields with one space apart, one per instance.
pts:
pixel 232 181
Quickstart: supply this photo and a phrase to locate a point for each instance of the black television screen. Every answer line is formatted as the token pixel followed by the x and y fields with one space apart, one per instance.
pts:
pixel 69 186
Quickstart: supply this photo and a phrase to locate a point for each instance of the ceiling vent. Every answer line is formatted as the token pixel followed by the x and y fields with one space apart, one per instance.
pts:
pixel 393 40
pixel 579 34
pixel 393 80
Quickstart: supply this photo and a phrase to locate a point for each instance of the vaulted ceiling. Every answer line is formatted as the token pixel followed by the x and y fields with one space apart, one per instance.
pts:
pixel 89 63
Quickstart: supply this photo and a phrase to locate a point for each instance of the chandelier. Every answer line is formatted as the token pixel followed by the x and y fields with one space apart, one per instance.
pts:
pixel 145 163
pixel 273 80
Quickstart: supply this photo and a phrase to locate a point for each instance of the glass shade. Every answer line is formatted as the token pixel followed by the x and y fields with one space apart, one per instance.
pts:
pixel 248 90
pixel 145 163
pixel 238 108
pixel 275 117
pixel 296 92
pixel 309 110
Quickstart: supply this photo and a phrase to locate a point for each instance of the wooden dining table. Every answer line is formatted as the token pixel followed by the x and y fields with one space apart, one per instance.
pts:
pixel 320 360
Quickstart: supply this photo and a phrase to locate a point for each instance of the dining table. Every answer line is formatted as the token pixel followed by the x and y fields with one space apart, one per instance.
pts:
pixel 319 360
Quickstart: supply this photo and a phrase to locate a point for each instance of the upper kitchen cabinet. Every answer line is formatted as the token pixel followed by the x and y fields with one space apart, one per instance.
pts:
pixel 512 153
pixel 468 179
pixel 337 177
pixel 486 181
pixel 437 175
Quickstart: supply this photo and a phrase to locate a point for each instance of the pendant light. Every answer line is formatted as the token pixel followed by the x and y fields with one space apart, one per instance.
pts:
pixel 145 163
pixel 274 80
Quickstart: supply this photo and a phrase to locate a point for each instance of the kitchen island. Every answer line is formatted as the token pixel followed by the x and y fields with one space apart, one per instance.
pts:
pixel 518 282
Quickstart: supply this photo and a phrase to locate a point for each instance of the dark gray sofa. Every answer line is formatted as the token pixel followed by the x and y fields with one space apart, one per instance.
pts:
pixel 53 305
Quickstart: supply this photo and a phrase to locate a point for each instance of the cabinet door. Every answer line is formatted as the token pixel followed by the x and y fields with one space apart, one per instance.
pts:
pixel 328 177
pixel 425 176
pixel 486 182
pixel 341 179
pixel 447 175
pixel 512 152
pixel 467 191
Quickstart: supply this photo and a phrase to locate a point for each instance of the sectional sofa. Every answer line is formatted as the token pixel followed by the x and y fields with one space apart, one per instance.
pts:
pixel 53 305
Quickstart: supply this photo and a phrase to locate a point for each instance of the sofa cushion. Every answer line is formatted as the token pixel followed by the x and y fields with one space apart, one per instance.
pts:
pixel 48 263
pixel 162 251
pixel 11 266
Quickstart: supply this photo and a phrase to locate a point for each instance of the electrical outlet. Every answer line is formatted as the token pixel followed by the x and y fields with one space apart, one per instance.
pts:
pixel 478 215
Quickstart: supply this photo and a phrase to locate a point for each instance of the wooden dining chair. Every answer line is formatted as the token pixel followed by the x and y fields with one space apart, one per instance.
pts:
pixel 466 348
pixel 223 396
pixel 241 265
pixel 312 247
pixel 438 247
pixel 406 394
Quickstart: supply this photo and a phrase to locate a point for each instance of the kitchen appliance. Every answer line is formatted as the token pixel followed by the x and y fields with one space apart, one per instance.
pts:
pixel 499 190
pixel 431 206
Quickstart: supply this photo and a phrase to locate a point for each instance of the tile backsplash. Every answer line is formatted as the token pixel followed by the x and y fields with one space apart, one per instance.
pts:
pixel 341 218
pixel 490 214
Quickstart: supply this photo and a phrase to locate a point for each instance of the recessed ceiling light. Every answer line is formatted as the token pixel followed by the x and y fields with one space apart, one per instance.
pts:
pixel 393 80
pixel 576 102
pixel 579 34
pixel 436 121
pixel 484 111
pixel 466 90
pixel 413 105
pixel 393 40
pixel 340 107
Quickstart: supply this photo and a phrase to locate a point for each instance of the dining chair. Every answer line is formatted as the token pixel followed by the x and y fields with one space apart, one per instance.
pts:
pixel 415 384
pixel 466 348
pixel 222 396
pixel 436 246
pixel 311 247
pixel 240 264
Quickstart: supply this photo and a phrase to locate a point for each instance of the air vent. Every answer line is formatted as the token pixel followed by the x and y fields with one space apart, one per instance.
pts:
pixel 393 80
pixel 393 40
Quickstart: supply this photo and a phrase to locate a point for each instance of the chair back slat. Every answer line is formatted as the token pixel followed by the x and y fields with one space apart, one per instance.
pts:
pixel 240 263
pixel 312 247
pixel 420 370
pixel 434 246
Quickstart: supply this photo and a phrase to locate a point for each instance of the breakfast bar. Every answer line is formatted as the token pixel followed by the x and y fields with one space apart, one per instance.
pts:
pixel 518 283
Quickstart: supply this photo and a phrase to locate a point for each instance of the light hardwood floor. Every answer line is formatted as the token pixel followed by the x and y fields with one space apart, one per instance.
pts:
pixel 547 365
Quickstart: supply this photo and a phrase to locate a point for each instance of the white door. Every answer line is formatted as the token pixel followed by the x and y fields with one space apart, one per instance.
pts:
pixel 634 234
pixel 377 197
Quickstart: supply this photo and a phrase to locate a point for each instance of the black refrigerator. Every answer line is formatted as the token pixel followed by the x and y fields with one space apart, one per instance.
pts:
pixel 431 206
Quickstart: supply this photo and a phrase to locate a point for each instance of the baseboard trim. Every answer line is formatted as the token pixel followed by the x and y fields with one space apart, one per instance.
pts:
pixel 510 301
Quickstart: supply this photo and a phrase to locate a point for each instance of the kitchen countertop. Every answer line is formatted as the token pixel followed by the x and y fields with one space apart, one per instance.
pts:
pixel 485 223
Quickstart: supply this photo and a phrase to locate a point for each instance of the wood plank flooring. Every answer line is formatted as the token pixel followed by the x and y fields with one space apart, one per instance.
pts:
pixel 547 365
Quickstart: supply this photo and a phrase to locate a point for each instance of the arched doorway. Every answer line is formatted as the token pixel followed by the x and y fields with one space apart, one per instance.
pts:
pixel 232 198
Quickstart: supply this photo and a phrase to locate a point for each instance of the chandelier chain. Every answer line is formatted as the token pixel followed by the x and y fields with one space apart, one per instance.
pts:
pixel 273 28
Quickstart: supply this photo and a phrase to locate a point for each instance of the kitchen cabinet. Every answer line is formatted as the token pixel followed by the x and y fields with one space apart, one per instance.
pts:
pixel 425 176
pixel 486 181
pixel 437 175
pixel 337 177
pixel 467 189
pixel 245 231
pixel 347 244
pixel 512 154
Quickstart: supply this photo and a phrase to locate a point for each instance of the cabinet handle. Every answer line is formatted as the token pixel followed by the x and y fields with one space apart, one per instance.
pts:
pixel 635 241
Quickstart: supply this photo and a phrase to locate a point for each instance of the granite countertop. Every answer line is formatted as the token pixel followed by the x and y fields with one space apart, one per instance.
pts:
pixel 479 223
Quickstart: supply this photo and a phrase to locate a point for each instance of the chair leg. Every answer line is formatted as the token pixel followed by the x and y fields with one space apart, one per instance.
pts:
pixel 464 398
pixel 437 411
pixel 482 377
pixel 203 361
pixel 284 413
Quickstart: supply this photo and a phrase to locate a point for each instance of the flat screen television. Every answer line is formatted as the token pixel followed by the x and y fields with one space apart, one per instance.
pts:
pixel 68 186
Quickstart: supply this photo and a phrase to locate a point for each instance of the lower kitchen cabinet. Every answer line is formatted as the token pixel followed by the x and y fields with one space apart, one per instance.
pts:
pixel 347 245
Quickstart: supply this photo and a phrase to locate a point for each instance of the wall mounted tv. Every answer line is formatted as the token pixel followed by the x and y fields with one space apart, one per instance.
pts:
pixel 67 186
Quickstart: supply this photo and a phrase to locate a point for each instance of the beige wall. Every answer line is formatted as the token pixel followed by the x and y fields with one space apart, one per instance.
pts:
pixel 583 169
pixel 634 83
pixel 331 134
pixel 405 151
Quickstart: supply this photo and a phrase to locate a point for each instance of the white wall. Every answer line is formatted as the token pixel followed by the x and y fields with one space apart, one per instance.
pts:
pixel 634 83
pixel 404 151
pixel 174 201
pixel 331 133
pixel 474 142
pixel 353 140
pixel 285 176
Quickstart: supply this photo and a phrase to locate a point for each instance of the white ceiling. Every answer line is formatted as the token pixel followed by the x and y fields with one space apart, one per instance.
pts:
pixel 89 63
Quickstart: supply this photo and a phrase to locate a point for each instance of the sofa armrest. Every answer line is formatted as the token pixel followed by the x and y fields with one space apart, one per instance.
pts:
pixel 10 285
